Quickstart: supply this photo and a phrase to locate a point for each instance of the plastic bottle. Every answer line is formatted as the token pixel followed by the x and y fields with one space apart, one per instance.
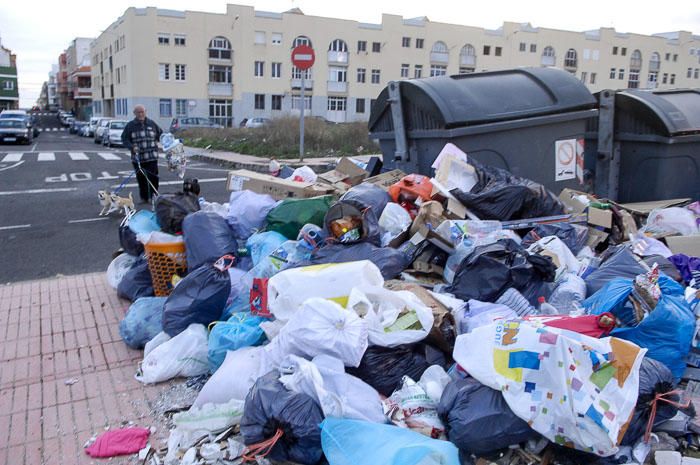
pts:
pixel 545 308
pixel 571 290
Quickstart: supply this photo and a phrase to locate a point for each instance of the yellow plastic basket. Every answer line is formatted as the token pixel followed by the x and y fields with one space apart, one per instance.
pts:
pixel 165 261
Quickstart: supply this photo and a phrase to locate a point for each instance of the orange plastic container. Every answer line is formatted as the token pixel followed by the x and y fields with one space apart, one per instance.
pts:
pixel 164 261
pixel 412 186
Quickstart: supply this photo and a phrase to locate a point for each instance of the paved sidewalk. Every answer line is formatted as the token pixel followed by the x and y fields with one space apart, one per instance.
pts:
pixel 65 373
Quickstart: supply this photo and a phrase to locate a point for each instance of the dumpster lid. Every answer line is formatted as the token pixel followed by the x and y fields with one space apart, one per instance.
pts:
pixel 673 112
pixel 462 100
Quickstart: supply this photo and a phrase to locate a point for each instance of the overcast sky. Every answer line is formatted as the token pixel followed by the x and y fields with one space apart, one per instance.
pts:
pixel 39 30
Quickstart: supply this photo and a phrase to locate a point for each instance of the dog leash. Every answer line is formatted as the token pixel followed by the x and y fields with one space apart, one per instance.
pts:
pixel 121 186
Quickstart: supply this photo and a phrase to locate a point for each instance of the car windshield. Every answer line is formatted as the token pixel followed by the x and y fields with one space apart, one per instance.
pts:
pixel 12 124
pixel 12 115
pixel 117 125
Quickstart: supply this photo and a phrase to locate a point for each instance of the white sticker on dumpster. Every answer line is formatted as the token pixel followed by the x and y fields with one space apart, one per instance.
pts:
pixel 565 159
pixel 236 183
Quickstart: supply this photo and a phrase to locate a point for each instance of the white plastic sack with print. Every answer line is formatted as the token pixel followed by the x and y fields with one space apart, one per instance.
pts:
pixel 394 317
pixel 183 355
pixel 673 219
pixel 411 407
pixel 575 390
pixel 288 289
pixel 339 394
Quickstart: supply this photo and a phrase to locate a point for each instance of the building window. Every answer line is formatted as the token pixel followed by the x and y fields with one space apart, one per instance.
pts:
pixel 690 72
pixel 523 46
pixel 438 70
pixel 276 103
pixel 418 71
pixel 296 102
pixel 593 76
pixel 376 47
pixel 276 38
pixel 361 46
pixel 621 74
pixel 612 73
pixel 376 76
pixel 614 50
pixel 405 68
pixel 276 70
pixel 180 40
pixel 466 69
pixel 301 40
pixel 259 37
pixel 338 45
pixel 361 72
pixel 675 57
pixel 419 43
pixel 164 71
pixel 220 48
pixel 301 73
pixel 571 60
pixel 584 76
pixel 220 112
pixel 595 55
pixel 259 101
pixel 533 48
pixel 405 42
pixel 636 60
pixel 359 105
pixel 337 74
pixel 623 51
pixel 664 80
pixel 166 108
pixel 163 39
pixel 696 72
pixel 8 85
pixel 586 53
pixel 259 68
pixel 218 73
pixel 633 82
pixel 498 51
pixel 673 79
pixel 180 72
pixel 668 56
pixel 337 103
pixel 181 107
pixel 487 50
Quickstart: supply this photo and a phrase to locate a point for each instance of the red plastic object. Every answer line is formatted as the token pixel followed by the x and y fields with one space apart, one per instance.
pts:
pixel 258 298
pixel 119 442
pixel 590 325
pixel 411 188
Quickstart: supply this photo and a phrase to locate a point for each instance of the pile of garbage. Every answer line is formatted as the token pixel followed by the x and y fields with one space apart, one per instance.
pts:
pixel 472 317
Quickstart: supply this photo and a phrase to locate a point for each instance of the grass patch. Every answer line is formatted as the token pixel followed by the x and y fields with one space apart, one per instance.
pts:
pixel 280 139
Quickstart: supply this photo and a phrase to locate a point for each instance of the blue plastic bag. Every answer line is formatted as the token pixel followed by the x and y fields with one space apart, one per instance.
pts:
pixel 353 442
pixel 263 244
pixel 666 332
pixel 241 330
pixel 142 322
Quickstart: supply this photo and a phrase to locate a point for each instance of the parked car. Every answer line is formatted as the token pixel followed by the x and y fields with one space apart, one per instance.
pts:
pixel 112 134
pixel 101 128
pixel 68 121
pixel 180 124
pixel 257 122
pixel 29 119
pixel 92 125
pixel 15 130
pixel 77 126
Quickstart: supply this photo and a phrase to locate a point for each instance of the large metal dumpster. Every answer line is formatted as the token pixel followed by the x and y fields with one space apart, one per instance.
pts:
pixel 645 145
pixel 530 121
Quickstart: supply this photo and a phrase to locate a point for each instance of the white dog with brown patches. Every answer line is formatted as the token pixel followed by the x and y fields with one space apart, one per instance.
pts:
pixel 111 202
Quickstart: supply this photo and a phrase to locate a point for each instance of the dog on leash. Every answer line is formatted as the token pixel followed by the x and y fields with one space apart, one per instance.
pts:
pixel 121 203
pixel 106 202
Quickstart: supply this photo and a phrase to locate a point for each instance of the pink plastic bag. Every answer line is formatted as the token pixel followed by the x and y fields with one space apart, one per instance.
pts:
pixel 119 442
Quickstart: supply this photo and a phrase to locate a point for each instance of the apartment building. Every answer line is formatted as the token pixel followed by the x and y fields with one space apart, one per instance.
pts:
pixel 237 65
pixel 79 77
pixel 9 92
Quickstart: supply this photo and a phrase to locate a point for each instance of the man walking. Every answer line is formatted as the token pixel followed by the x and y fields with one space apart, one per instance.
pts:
pixel 140 136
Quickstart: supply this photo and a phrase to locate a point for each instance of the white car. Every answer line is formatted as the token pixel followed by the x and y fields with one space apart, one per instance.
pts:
pixel 101 128
pixel 257 122
pixel 112 135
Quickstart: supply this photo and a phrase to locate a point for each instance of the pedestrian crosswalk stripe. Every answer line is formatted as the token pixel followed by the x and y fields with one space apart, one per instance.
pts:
pixel 46 156
pixel 77 156
pixel 12 157
pixel 109 156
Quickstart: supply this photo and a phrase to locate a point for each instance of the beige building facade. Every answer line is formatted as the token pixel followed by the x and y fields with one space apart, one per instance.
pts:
pixel 237 65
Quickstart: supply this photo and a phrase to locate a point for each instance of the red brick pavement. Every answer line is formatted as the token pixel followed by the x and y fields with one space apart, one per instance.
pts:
pixel 60 329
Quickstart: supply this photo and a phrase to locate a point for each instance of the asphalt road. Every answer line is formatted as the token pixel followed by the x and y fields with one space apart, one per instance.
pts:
pixel 49 221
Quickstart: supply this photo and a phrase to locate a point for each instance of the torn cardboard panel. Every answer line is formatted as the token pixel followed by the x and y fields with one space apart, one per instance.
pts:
pixel 346 172
pixel 277 188
pixel 688 245
pixel 385 180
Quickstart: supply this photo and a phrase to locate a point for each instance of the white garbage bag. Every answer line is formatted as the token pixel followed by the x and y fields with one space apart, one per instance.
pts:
pixel 393 221
pixel 247 212
pixel 183 355
pixel 288 289
pixel 411 407
pixel 394 317
pixel 339 394
pixel 303 174
pixel 561 255
pixel 671 220
pixel 118 267
pixel 155 342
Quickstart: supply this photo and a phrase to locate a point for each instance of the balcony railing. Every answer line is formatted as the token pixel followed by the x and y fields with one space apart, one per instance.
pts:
pixel 296 83
pixel 548 61
pixel 222 89
pixel 467 60
pixel 340 58
pixel 336 86
pixel 439 57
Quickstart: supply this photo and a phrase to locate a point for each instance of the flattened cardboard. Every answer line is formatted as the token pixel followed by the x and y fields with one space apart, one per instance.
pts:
pixel 385 180
pixel 277 188
pixel 689 245
pixel 454 173
pixel 346 172
pixel 644 208
pixel 598 217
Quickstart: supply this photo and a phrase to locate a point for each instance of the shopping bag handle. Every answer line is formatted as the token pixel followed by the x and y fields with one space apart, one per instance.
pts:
pixel 225 262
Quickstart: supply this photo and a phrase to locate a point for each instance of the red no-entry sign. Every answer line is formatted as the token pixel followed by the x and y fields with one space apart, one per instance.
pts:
pixel 303 56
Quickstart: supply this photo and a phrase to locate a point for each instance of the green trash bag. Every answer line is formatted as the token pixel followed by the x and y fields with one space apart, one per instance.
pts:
pixel 290 215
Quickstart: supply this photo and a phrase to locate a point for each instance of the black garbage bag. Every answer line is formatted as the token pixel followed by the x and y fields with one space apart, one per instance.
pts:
pixel 654 378
pixel 207 237
pixel 391 262
pixel 171 209
pixel 665 266
pixel 137 282
pixel 128 241
pixel 573 235
pixel 499 195
pixel 487 272
pixel 478 420
pixel 269 406
pixel 384 367
pixel 618 262
pixel 352 208
pixel 368 195
pixel 199 298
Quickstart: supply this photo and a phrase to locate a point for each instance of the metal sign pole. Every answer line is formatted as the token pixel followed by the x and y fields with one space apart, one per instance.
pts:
pixel 301 122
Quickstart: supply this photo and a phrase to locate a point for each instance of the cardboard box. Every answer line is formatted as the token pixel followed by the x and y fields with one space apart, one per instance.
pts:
pixel 689 245
pixel 385 180
pixel 454 173
pixel 277 188
pixel 346 172
pixel 644 208
pixel 598 217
